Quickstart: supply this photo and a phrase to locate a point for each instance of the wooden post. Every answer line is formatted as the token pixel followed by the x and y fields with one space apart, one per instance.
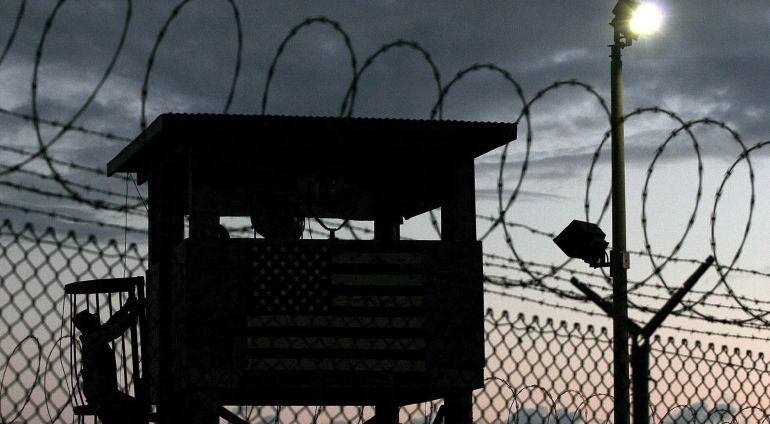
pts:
pixel 195 407
pixel 386 413
pixel 387 224
pixel 139 386
pixel 199 406
pixel 458 211
pixel 459 408
pixel 166 231
pixel 458 223
pixel 387 221
pixel 204 219
pixel 387 228
pixel 640 382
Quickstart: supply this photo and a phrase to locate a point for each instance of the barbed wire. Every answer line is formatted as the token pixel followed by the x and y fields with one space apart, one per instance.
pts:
pixel 72 190
pixel 592 313
pixel 97 205
pixel 73 165
pixel 510 283
pixel 14 30
pixel 520 278
pixel 529 342
pixel 85 187
pixel 28 395
pixel 70 218
pixel 293 33
pixel 489 261
pixel 45 145
pixel 348 101
pixel 159 39
pixel 49 237
pixel 108 136
pixel 634 304
pixel 505 282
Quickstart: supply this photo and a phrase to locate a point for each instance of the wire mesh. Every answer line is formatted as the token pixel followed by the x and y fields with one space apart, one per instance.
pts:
pixel 537 370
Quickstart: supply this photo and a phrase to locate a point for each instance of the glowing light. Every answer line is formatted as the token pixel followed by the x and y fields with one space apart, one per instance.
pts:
pixel 646 19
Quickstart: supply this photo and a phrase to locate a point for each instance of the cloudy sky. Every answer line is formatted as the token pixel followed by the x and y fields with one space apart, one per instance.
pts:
pixel 710 60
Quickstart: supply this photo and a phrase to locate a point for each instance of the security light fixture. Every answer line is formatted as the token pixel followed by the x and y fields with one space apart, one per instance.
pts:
pixel 634 18
pixel 584 240
pixel 646 19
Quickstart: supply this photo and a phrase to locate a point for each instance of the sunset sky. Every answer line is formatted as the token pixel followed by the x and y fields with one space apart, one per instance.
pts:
pixel 711 59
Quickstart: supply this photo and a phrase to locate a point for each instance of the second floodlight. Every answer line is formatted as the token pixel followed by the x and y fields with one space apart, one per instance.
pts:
pixel 583 240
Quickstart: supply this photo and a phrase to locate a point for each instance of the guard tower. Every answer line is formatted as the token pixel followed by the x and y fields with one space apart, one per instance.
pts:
pixel 319 321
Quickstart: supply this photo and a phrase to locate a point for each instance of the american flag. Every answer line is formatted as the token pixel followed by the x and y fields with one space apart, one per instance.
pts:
pixel 329 307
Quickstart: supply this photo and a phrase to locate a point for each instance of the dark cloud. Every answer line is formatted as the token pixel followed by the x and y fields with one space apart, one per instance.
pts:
pixel 711 59
pixel 523 195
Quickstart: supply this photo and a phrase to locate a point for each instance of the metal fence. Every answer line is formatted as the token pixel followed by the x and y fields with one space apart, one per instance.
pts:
pixel 538 370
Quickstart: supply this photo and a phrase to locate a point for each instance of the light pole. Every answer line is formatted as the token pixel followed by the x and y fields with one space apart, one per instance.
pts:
pixel 631 19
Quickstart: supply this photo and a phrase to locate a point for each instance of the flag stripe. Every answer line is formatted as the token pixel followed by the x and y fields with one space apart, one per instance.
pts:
pixel 318 354
pixel 377 258
pixel 376 280
pixel 308 364
pixel 361 311
pixel 377 301
pixel 377 343
pixel 334 332
pixel 353 322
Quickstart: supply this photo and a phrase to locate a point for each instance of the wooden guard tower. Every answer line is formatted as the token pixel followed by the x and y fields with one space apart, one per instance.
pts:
pixel 319 321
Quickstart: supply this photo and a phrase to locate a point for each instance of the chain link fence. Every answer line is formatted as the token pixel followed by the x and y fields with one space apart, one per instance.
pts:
pixel 537 370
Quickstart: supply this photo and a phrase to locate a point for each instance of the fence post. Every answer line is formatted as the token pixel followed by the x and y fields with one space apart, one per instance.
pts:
pixel 640 355
pixel 640 379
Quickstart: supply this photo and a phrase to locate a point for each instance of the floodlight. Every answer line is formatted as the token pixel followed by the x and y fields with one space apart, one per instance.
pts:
pixel 645 19
pixel 633 18
pixel 583 240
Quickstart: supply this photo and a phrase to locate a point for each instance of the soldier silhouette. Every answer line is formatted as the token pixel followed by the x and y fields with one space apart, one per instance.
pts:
pixel 100 382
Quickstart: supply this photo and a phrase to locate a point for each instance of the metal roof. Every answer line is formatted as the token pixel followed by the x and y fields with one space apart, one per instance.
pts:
pixel 344 140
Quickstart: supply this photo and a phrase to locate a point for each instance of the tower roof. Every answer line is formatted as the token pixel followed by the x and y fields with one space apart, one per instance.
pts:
pixel 301 138
pixel 401 159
